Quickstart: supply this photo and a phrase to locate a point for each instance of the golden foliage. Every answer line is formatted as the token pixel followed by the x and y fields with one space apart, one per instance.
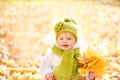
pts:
pixel 26 34
pixel 92 61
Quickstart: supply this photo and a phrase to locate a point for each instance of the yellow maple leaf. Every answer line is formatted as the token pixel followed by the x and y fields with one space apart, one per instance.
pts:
pixel 92 61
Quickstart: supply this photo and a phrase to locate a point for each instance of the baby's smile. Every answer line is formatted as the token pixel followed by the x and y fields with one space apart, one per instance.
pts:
pixel 65 46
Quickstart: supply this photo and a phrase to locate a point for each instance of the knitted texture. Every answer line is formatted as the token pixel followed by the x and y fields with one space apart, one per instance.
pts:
pixel 68 25
pixel 68 68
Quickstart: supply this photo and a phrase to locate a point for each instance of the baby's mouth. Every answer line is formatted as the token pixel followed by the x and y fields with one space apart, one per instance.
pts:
pixel 65 46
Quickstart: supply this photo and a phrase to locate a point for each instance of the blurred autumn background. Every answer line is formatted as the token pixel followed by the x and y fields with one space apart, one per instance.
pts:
pixel 26 33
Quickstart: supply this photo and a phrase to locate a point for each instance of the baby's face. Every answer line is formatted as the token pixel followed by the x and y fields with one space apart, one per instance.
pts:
pixel 66 40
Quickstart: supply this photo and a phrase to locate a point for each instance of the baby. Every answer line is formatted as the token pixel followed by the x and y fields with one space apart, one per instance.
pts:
pixel 61 63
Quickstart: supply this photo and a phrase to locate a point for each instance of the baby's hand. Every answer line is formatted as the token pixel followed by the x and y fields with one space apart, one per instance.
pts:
pixel 50 76
pixel 91 75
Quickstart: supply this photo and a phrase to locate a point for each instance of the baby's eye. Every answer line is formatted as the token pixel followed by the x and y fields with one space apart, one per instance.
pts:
pixel 61 39
pixel 68 38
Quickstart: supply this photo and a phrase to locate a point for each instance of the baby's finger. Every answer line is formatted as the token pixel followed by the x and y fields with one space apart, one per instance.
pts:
pixel 91 75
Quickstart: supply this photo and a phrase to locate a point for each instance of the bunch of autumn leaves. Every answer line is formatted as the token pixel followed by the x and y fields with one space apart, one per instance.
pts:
pixel 92 61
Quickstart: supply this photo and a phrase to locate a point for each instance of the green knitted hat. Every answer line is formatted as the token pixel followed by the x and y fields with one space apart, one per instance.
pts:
pixel 68 25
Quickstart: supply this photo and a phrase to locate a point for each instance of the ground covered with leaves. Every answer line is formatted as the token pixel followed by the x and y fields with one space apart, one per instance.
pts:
pixel 26 34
